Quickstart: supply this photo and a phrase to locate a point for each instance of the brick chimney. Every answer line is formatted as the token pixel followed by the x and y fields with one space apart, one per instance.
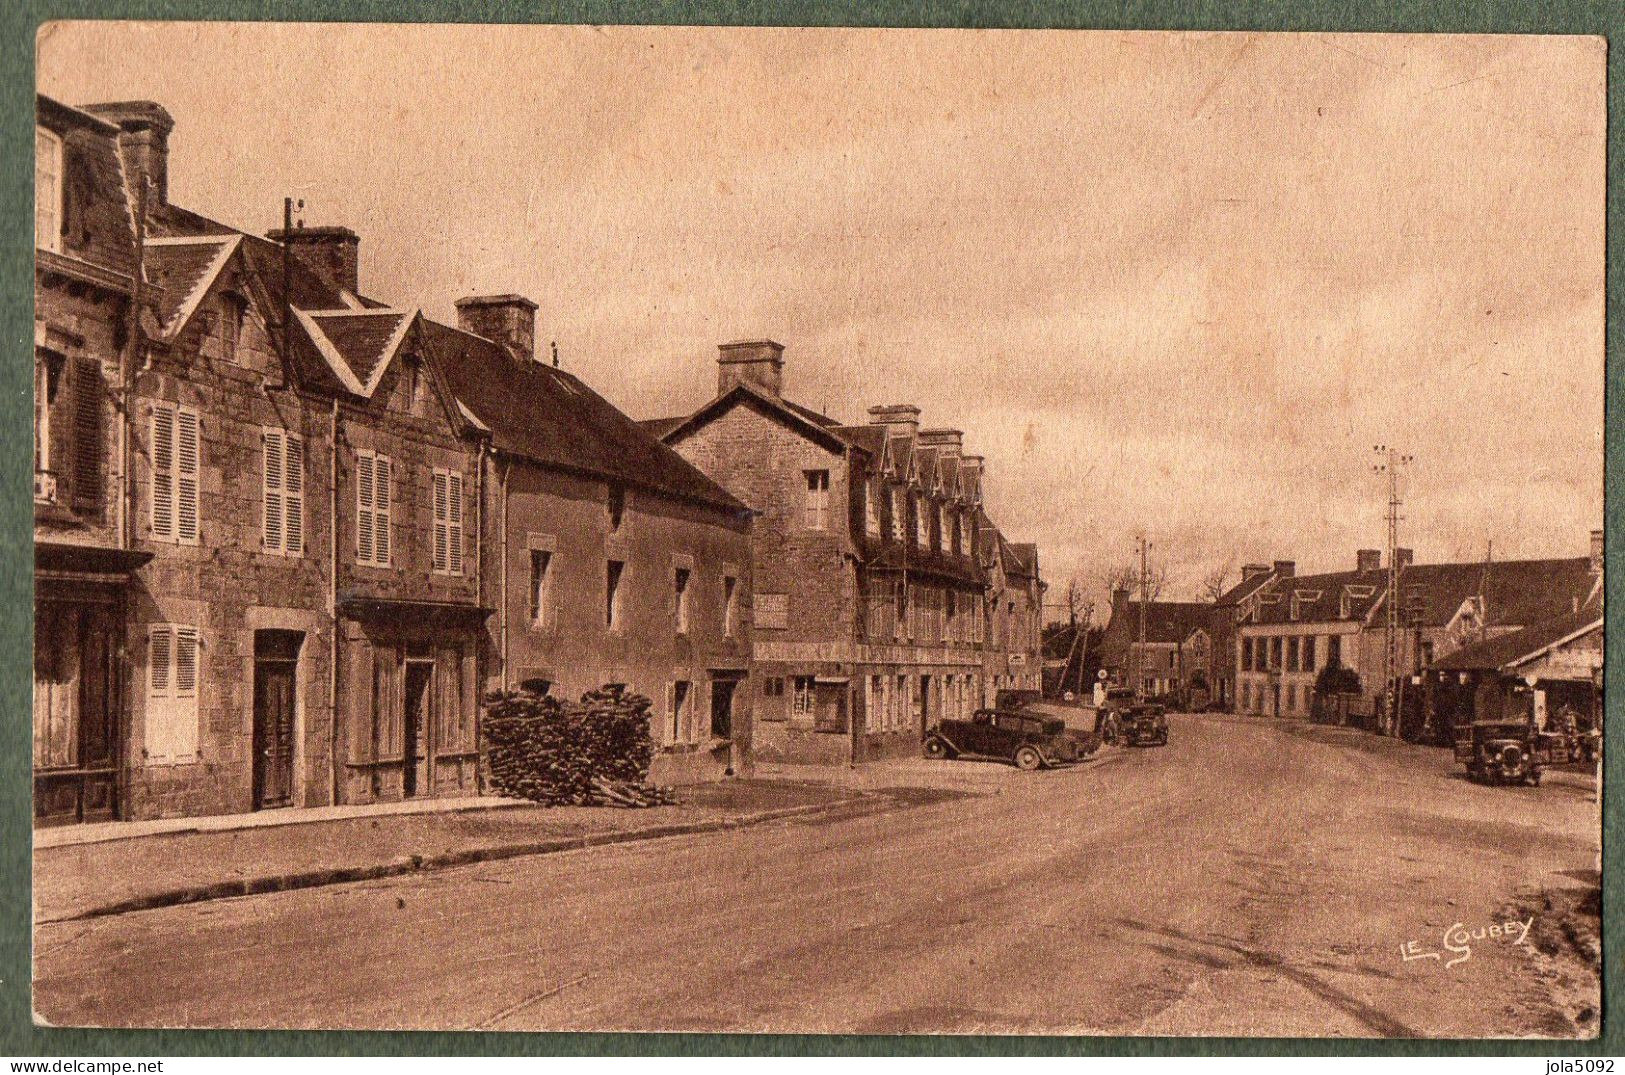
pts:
pixel 1252 571
pixel 1119 598
pixel 332 253
pixel 1596 551
pixel 506 320
pixel 1285 568
pixel 1403 558
pixel 900 419
pixel 143 142
pixel 758 363
pixel 1368 560
pixel 949 441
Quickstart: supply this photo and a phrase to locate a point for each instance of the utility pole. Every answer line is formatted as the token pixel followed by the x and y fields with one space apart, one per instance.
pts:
pixel 1145 599
pixel 1390 459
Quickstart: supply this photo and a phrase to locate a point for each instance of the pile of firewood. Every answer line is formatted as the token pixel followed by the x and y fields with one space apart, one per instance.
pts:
pixel 595 752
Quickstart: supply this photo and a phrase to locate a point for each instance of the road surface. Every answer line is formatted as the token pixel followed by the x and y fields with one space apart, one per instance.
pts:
pixel 1249 878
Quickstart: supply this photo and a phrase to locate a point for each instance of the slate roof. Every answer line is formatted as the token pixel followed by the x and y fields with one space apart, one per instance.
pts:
pixel 184 270
pixel 871 439
pixel 358 344
pixel 1165 622
pixel 1516 647
pixel 1518 592
pixel 1021 559
pixel 1245 588
pixel 1365 588
pixel 562 422
pixel 895 556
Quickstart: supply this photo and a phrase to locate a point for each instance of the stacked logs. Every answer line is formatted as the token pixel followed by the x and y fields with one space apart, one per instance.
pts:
pixel 593 752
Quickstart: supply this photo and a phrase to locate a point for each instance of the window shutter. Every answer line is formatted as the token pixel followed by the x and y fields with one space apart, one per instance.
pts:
pixel 186 671
pixel 671 712
pixel 87 435
pixel 159 657
pixel 454 523
pixel 186 476
pixel 364 528
pixel 163 473
pixel 271 444
pixel 441 515
pixel 293 492
pixel 381 508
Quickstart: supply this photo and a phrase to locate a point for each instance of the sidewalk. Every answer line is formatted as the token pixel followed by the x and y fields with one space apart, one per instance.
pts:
pixel 161 864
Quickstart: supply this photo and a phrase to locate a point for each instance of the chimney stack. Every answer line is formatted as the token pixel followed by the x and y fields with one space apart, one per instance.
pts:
pixel 1119 598
pixel 509 321
pixel 948 441
pixel 758 363
pixel 1252 571
pixel 143 143
pixel 1596 551
pixel 1285 568
pixel 900 419
pixel 332 253
pixel 1368 560
pixel 1403 558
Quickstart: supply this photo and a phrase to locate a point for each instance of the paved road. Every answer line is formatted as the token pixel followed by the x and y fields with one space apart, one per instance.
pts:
pixel 1250 878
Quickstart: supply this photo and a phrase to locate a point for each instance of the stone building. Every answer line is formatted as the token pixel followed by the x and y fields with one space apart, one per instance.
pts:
pixel 612 560
pixel 872 610
pixel 1174 631
pixel 1298 624
pixel 263 517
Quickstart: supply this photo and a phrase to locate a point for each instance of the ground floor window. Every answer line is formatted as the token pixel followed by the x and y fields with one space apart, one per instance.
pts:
pixel 75 710
pixel 802 698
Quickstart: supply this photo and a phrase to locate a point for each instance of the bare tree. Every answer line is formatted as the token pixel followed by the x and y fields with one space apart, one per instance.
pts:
pixel 1126 576
pixel 1215 582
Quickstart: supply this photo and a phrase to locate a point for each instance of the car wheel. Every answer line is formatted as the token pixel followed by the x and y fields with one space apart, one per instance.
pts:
pixel 1027 759
pixel 935 748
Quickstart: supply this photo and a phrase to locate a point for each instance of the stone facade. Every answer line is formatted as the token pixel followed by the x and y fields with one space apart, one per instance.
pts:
pixel 872 606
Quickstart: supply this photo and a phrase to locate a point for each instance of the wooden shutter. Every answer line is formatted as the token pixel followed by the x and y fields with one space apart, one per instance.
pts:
pixel 163 473
pixel 293 492
pixel 159 658
pixel 381 508
pixel 271 470
pixel 187 449
pixel 454 523
pixel 365 524
pixel 441 517
pixel 87 435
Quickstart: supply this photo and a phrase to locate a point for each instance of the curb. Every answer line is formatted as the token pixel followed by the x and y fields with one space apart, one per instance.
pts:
pixel 409 864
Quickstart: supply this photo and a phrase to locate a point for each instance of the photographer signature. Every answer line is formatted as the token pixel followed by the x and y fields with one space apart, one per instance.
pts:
pixel 1457 939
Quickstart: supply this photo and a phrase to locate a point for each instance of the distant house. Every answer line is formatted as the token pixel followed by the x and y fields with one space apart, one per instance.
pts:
pixel 1298 624
pixel 1174 632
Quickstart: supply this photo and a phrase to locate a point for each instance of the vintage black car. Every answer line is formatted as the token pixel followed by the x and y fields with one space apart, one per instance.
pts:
pixel 1143 725
pixel 1510 751
pixel 1026 740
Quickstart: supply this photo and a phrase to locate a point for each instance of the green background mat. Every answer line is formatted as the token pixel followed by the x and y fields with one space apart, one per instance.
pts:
pixel 20 20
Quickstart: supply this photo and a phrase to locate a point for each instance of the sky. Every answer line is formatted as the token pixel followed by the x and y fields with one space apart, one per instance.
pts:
pixel 1177 284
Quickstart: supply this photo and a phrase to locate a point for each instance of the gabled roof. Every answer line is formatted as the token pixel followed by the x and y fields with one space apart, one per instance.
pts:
pixel 563 422
pixel 186 267
pixel 925 460
pixel 808 423
pixel 358 345
pixel 659 427
pixel 1022 559
pixel 1517 648
pixel 872 439
pixel 1245 588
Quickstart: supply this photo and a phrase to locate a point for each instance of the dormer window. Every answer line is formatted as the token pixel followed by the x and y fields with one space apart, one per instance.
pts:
pixel 47 190
pixel 871 508
pixel 919 521
pixel 899 515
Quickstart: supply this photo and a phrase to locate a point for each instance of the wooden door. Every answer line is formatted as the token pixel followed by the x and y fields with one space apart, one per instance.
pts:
pixel 418 715
pixel 273 733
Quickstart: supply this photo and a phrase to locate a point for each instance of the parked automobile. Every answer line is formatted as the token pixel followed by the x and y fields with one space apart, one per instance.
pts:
pixel 1144 725
pixel 1508 751
pixel 1026 740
